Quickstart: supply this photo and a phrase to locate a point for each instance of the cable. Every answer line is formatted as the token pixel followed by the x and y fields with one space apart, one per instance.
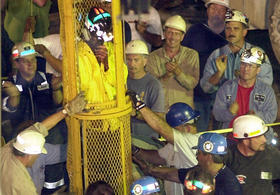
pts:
pixel 230 129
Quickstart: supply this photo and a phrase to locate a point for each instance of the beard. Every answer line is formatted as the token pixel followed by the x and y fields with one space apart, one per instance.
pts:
pixel 217 21
pixel 259 148
pixel 262 147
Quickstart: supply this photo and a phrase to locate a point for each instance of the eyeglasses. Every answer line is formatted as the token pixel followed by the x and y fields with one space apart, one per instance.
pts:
pixel 193 185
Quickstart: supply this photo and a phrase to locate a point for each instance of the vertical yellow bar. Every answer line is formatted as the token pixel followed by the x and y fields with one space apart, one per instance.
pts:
pixel 69 66
pixel 74 158
pixel 67 37
pixel 118 49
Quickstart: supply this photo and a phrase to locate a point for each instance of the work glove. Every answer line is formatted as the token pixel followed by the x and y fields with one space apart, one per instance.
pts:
pixel 138 104
pixel 76 105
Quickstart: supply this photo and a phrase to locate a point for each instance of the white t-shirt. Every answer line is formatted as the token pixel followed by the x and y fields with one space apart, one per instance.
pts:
pixel 52 43
pixel 152 19
pixel 179 155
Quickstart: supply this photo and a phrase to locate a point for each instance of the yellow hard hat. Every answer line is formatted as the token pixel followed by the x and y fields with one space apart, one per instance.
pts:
pixel 236 16
pixel 30 142
pixel 22 49
pixel 254 55
pixel 136 47
pixel 176 22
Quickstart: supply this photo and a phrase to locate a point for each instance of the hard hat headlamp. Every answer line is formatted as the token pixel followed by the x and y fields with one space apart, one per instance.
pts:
pixel 234 15
pixel 139 189
pixel 229 14
pixel 194 185
pixel 145 185
pixel 99 23
pixel 25 50
pixel 253 55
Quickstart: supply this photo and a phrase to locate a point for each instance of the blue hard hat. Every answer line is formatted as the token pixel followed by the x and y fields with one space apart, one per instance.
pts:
pixel 212 143
pixel 180 113
pixel 145 185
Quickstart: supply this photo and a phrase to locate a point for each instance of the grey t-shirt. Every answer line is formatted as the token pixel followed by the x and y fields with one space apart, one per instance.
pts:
pixel 153 97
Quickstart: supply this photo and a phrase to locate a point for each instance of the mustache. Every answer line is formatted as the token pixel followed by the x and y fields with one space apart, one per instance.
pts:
pixel 231 36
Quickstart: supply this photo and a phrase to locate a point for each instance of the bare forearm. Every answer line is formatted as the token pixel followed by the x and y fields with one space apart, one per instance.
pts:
pixel 214 80
pixel 166 173
pixel 158 125
pixel 150 156
pixel 54 62
pixel 52 120
pixel 161 115
pixel 140 117
pixel 28 37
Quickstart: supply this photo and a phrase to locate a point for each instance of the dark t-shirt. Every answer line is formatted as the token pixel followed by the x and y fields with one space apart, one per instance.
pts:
pixel 200 38
pixel 153 93
pixel 255 173
pixel 226 182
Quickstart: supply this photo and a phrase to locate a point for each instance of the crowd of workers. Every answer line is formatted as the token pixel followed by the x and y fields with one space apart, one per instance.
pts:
pixel 182 80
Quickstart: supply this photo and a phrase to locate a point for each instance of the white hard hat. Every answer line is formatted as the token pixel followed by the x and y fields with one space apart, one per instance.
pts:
pixel 176 22
pixel 137 47
pixel 248 126
pixel 236 16
pixel 22 49
pixel 219 2
pixel 254 55
pixel 30 142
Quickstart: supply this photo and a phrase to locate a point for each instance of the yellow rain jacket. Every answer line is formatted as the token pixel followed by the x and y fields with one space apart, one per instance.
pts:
pixel 99 86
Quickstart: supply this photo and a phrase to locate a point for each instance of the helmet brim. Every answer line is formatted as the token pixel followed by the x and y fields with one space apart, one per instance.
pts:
pixel 217 2
pixel 266 129
pixel 195 116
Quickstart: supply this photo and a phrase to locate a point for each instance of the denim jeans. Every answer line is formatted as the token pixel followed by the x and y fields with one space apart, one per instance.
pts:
pixel 205 109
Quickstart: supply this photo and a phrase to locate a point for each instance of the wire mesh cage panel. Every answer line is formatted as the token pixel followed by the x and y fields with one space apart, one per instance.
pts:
pixel 99 141
pixel 104 152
